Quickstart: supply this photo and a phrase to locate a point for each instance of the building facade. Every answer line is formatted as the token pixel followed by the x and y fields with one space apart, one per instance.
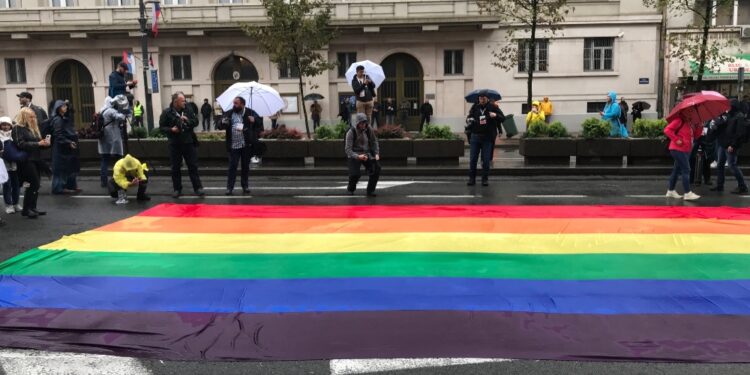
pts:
pixel 434 49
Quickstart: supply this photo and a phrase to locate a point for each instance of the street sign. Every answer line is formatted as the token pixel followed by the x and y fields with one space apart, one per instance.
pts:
pixel 643 81
pixel 155 81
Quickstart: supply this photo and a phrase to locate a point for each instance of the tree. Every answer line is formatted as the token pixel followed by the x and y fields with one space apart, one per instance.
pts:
pixel 297 31
pixel 528 16
pixel 696 45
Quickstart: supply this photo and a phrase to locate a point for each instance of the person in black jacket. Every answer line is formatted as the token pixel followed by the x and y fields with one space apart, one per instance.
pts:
pixel 730 135
pixel 178 122
pixel 426 111
pixel 483 125
pixel 364 91
pixel 65 164
pixel 238 124
pixel 206 111
pixel 27 137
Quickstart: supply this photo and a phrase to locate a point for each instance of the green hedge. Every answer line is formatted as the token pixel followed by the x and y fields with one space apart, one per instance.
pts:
pixel 646 128
pixel 437 132
pixel 539 129
pixel 596 128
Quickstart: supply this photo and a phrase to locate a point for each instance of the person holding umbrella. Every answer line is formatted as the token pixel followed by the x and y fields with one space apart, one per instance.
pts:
pixel 315 112
pixel 364 90
pixel 681 133
pixel 483 123
pixel 638 108
pixel 238 124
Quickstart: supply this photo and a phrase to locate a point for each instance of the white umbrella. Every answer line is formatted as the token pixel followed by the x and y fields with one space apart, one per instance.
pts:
pixel 261 98
pixel 372 70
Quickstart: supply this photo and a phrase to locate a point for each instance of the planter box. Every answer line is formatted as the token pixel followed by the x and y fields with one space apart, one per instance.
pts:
pixel 438 152
pixel 328 153
pixel 286 153
pixel 150 149
pixel 646 151
pixel 211 150
pixel 604 151
pixel 546 151
pixel 395 152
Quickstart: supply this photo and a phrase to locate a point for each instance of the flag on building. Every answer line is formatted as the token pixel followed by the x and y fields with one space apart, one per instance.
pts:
pixel 151 60
pixel 155 14
pixel 211 282
pixel 128 58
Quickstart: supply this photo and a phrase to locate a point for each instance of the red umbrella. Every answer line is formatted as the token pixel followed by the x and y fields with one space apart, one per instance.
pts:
pixel 700 107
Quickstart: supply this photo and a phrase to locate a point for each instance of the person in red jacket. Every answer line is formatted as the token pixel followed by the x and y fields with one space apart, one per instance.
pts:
pixel 682 133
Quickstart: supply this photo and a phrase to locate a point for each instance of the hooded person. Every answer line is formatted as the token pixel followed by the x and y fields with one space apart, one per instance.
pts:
pixel 111 141
pixel 612 114
pixel 65 163
pixel 483 124
pixel 730 135
pixel 362 149
pixel 128 172
pixel 535 114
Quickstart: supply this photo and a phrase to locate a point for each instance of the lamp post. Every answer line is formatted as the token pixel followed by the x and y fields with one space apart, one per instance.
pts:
pixel 144 51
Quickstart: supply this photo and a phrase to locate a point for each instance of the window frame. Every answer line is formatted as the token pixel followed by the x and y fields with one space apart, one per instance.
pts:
pixel 450 61
pixel 19 73
pixel 63 3
pixel 9 4
pixel 183 71
pixel 173 3
pixel 120 3
pixel 593 64
pixel 342 68
pixel 289 70
pixel 523 49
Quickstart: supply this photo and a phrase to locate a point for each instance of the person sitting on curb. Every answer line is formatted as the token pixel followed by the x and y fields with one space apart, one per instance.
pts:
pixel 128 172
pixel 362 149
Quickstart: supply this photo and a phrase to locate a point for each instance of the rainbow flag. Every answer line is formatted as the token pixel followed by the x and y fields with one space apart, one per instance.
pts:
pixel 297 283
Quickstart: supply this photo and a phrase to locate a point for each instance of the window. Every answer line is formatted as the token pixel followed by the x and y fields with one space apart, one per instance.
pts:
pixel 453 62
pixel 175 2
pixel 598 54
pixel 181 69
pixel 61 3
pixel 8 3
pixel 524 56
pixel 288 70
pixel 119 3
pixel 230 1
pixel 116 60
pixel 345 59
pixel 15 70
pixel 595 107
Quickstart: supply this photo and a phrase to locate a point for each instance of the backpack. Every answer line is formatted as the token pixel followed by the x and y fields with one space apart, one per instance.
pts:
pixel 11 152
pixel 744 128
pixel 98 125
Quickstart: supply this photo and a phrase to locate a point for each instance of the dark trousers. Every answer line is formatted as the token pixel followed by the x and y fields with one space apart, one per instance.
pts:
pixel 705 164
pixel 731 157
pixel 114 188
pixel 483 145
pixel 138 121
pixel 29 172
pixel 375 120
pixel 187 152
pixel 11 189
pixel 274 123
pixel 206 123
pixel 316 122
pixel 104 167
pixel 61 182
pixel 425 120
pixel 240 155
pixel 372 167
pixel 681 169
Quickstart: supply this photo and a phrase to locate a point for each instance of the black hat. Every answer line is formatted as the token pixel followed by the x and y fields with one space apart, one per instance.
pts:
pixel 25 94
pixel 483 93
pixel 360 67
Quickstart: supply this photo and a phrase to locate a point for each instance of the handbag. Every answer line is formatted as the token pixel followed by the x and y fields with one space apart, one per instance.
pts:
pixel 11 152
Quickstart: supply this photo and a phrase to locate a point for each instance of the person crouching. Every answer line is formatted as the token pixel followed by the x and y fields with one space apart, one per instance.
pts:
pixel 128 172
pixel 362 149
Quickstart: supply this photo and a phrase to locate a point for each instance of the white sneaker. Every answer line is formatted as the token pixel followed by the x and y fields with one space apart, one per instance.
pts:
pixel 690 196
pixel 19 208
pixel 255 160
pixel 10 209
pixel 714 164
pixel 673 194
pixel 122 201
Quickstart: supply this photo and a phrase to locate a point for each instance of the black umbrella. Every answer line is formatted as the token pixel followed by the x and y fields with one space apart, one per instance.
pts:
pixel 314 97
pixel 643 105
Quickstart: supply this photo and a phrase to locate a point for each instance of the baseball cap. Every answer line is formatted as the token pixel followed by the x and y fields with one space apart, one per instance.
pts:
pixel 25 94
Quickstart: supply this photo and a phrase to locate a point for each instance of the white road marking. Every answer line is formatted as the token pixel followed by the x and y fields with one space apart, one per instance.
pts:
pixel 362 366
pixel 327 196
pixel 31 362
pixel 91 197
pixel 646 196
pixel 552 196
pixel 442 196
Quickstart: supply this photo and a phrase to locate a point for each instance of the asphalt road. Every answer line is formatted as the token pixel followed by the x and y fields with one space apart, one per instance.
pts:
pixel 69 215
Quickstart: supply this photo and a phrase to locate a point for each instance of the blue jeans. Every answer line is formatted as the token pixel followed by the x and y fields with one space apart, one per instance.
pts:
pixel 104 168
pixel 64 182
pixel 484 145
pixel 681 169
pixel 237 156
pixel 11 189
pixel 725 156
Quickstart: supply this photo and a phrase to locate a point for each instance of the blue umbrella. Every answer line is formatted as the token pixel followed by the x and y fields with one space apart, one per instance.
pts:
pixel 473 96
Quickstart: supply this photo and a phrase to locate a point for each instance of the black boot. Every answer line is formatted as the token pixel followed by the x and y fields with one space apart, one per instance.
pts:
pixel 29 202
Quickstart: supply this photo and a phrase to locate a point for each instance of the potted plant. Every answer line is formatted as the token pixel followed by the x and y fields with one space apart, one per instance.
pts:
pixel 596 148
pixel 284 147
pixel 395 147
pixel 328 147
pixel 649 145
pixel 437 146
pixel 547 144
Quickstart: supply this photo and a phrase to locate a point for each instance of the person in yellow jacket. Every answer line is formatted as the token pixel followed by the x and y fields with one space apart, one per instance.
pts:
pixel 546 107
pixel 128 172
pixel 138 114
pixel 535 114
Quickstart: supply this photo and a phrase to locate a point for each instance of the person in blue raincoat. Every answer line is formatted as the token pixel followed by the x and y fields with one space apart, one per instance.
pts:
pixel 612 113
